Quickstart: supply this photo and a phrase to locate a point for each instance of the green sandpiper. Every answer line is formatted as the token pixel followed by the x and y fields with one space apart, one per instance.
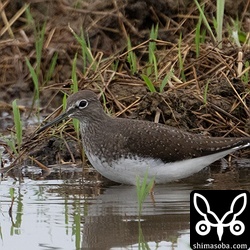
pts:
pixel 121 149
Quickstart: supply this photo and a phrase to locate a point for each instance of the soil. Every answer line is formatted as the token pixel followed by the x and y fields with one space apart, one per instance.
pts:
pixel 208 93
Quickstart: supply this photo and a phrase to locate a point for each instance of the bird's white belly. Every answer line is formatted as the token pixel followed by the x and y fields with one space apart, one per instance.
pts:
pixel 127 170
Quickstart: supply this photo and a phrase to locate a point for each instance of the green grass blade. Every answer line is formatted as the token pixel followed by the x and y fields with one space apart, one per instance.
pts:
pixel 205 21
pixel 51 68
pixel 143 188
pixel 149 83
pixel 181 59
pixel 64 102
pixel 12 193
pixel 114 65
pixel 11 144
pixel 39 47
pixel 76 125
pixel 237 35
pixel 155 65
pixel 245 76
pixel 142 243
pixel 29 18
pixel 131 57
pixel 152 61
pixel 205 93
pixel 34 77
pixel 198 34
pixel 18 124
pixel 166 79
pixel 219 18
pixel 74 87
pixel 86 51
pixel 77 228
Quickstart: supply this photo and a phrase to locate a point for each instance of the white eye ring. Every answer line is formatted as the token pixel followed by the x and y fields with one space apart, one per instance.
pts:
pixel 81 104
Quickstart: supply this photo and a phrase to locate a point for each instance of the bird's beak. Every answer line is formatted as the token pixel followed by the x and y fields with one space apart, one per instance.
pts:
pixel 55 121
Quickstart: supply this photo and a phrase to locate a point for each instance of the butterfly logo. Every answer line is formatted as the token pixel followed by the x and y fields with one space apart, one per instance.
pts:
pixel 210 219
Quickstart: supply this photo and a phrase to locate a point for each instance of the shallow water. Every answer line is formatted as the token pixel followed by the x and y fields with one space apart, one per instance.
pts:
pixel 69 214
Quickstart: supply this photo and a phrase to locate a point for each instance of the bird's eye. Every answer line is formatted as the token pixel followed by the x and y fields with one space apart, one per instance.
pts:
pixel 82 104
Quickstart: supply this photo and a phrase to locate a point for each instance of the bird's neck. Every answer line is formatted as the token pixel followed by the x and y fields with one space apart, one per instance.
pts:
pixel 97 122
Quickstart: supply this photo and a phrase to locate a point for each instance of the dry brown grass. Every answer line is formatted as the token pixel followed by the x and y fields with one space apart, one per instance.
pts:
pixel 222 109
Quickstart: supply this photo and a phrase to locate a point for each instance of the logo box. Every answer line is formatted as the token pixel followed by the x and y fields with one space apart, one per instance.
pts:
pixel 219 219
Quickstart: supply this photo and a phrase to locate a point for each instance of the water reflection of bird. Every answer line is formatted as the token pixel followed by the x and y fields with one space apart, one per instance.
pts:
pixel 112 218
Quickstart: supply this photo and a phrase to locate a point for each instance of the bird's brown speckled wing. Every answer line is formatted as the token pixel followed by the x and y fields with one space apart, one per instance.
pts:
pixel 170 144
